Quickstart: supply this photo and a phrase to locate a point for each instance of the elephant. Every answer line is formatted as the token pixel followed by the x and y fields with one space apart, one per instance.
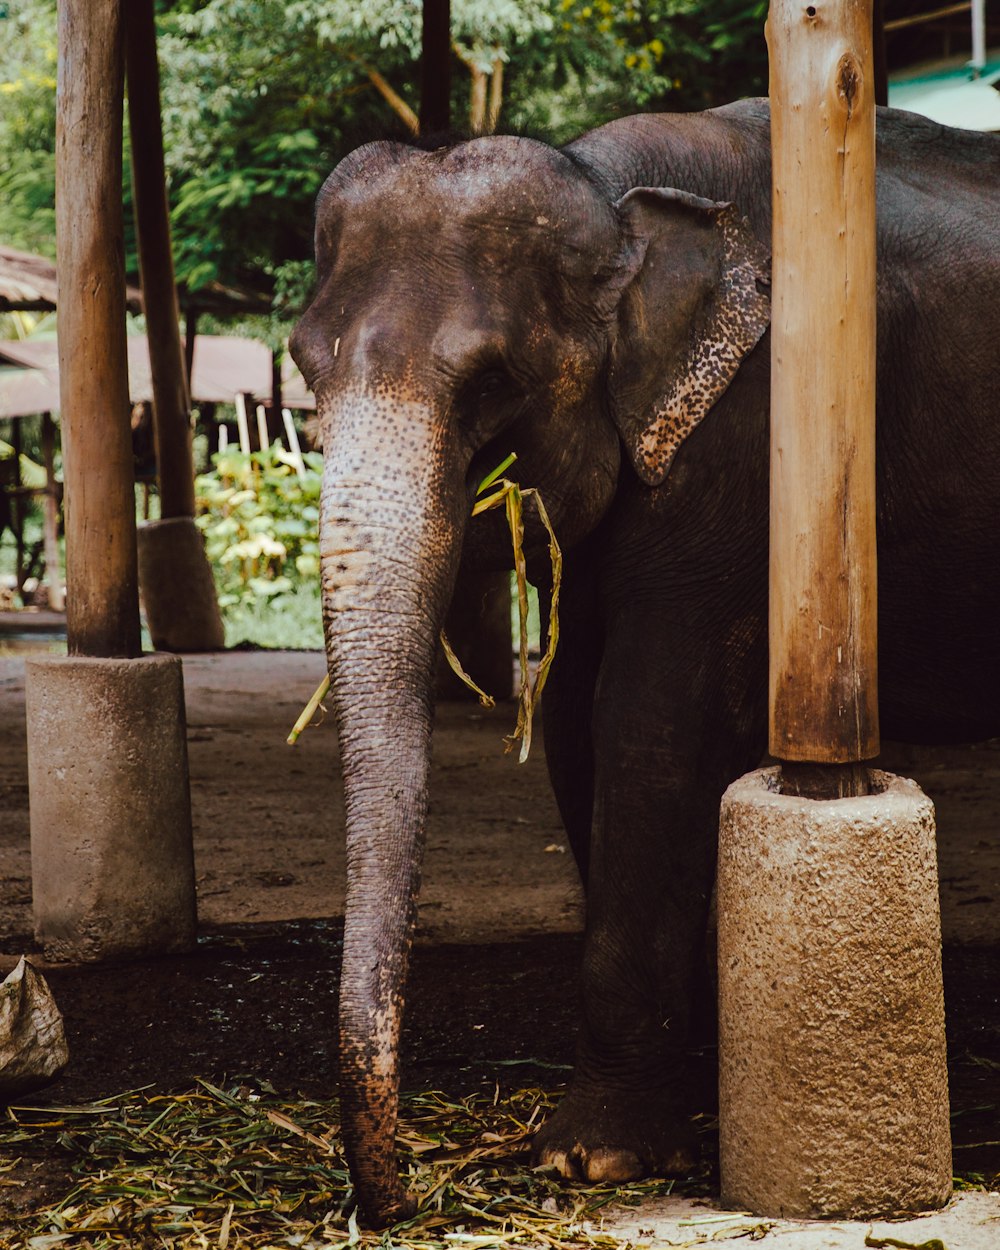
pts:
pixel 602 310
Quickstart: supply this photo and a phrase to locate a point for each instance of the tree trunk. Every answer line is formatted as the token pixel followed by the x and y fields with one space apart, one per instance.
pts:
pixel 496 96
pixel 477 105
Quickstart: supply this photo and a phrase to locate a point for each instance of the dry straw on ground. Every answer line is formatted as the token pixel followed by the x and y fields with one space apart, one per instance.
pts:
pixel 242 1168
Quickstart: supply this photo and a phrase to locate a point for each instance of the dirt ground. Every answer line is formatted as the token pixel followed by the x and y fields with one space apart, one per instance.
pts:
pixel 492 991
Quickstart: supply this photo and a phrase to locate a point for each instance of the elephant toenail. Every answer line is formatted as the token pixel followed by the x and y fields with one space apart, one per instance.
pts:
pixel 613 1166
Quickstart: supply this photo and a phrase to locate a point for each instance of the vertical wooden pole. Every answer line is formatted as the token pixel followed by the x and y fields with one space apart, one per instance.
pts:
pixel 53 573
pixel 101 578
pixel 277 395
pixel 190 335
pixel 17 508
pixel 171 407
pixel 435 67
pixel 823 692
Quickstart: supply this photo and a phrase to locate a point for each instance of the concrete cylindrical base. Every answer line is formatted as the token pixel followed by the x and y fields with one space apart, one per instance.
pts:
pixel 111 852
pixel 177 587
pixel 833 1097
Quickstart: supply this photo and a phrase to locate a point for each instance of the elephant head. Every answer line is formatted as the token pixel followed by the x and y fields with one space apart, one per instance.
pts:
pixel 473 301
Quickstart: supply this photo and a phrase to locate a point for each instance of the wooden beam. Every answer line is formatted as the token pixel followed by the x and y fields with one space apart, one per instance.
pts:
pixel 918 19
pixel 101 579
pixel 823 693
pixel 171 405
pixel 17 509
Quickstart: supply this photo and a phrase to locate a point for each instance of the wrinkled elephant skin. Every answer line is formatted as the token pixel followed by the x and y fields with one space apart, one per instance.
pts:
pixel 602 310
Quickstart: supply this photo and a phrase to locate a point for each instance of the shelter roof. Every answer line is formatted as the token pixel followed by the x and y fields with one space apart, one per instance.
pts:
pixel 28 283
pixel 223 366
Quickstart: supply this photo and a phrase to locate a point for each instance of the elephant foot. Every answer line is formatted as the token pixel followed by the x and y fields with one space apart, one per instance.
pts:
pixel 612 1136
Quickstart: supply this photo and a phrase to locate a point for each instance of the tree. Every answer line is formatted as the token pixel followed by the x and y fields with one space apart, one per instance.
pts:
pixel 262 97
pixel 484 33
pixel 27 125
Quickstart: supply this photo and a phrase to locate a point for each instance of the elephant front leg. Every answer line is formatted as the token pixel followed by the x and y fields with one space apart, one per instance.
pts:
pixel 658 781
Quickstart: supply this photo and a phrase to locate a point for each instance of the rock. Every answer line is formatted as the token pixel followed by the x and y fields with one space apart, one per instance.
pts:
pixel 33 1048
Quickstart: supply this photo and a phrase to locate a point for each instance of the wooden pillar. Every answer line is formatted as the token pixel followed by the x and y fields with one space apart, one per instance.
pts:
pixel 171 407
pixel 435 67
pixel 53 574
pixel 823 691
pixel 277 398
pixel 101 580
pixel 17 509
pixel 190 334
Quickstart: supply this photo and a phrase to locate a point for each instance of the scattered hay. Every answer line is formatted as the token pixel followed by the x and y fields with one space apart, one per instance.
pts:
pixel 243 1168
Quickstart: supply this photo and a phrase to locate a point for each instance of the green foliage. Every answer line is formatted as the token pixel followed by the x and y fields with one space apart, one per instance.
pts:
pixel 678 54
pixel 293 623
pixel 27 125
pixel 262 97
pixel 259 519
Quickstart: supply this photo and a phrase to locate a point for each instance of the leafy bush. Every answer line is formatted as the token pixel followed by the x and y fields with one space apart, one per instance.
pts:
pixel 260 517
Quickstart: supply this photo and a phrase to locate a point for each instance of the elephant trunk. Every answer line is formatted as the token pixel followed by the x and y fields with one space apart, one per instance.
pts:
pixel 390 538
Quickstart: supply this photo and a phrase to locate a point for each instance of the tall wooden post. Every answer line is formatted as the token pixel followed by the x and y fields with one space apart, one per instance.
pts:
pixel 171 551
pixel 171 407
pixel 435 67
pixel 830 992
pixel 17 509
pixel 111 855
pixel 102 592
pixel 53 574
pixel 823 691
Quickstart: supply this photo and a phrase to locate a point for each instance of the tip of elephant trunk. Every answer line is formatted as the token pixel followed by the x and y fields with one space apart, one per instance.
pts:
pixel 386 1210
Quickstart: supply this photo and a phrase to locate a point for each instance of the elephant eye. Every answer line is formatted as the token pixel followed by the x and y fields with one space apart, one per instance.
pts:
pixel 491 382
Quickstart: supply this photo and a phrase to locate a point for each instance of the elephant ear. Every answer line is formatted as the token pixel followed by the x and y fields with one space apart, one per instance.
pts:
pixel 694 303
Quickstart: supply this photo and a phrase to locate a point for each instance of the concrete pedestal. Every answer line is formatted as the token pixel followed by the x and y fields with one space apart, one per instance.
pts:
pixel 833 1083
pixel 177 587
pixel 111 852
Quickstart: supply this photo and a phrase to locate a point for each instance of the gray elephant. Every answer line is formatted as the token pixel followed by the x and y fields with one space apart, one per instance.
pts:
pixel 602 310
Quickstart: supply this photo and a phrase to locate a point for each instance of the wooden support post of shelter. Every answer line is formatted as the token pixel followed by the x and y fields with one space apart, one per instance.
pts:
pixel 478 623
pixel 435 67
pixel 102 610
pixel 178 589
pixel 823 630
pixel 832 1076
pixel 17 508
pixel 53 572
pixel 111 853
